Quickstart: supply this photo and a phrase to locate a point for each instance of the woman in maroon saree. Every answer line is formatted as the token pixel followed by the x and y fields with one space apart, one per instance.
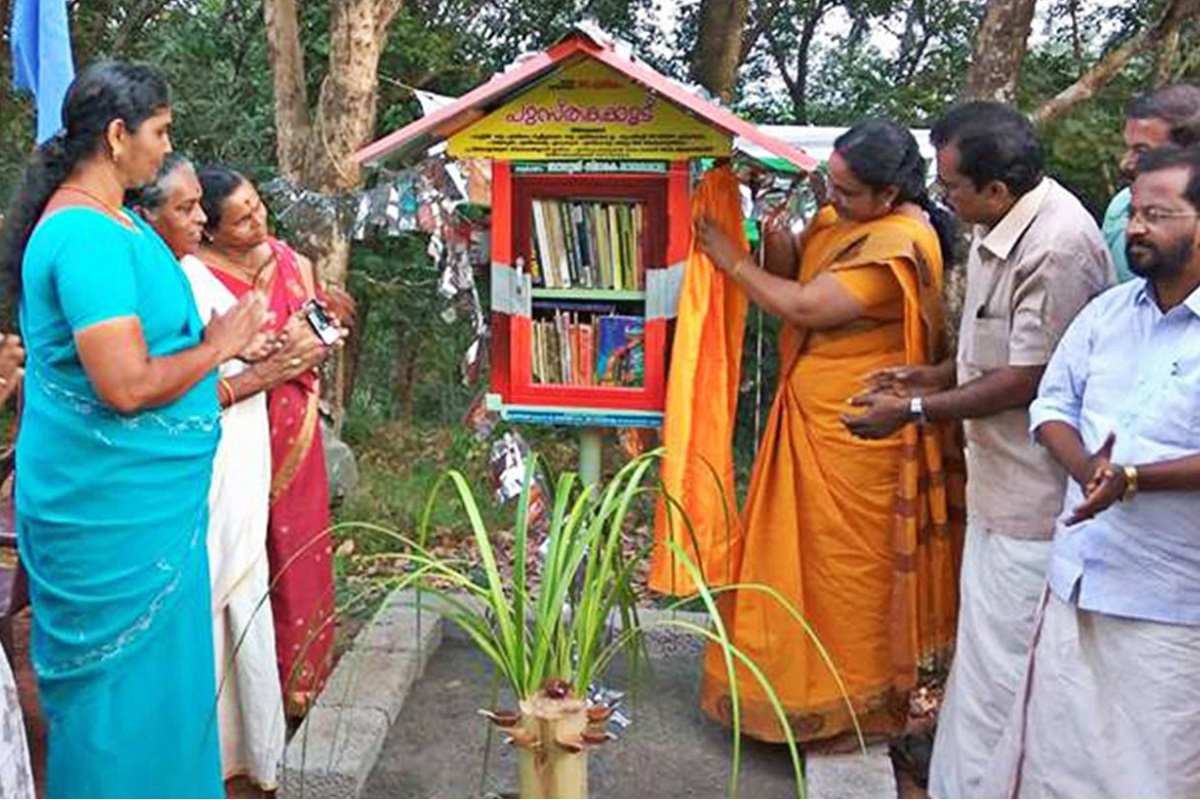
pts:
pixel 240 253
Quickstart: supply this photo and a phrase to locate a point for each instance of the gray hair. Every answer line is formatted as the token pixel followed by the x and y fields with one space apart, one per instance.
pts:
pixel 151 196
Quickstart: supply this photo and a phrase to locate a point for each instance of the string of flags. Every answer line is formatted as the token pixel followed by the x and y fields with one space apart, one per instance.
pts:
pixel 427 198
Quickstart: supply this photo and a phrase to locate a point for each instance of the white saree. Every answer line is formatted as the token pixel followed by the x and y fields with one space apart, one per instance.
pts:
pixel 16 774
pixel 250 701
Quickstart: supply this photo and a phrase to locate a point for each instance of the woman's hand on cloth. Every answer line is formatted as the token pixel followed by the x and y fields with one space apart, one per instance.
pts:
pixel 12 364
pixel 818 187
pixel 720 249
pixel 240 329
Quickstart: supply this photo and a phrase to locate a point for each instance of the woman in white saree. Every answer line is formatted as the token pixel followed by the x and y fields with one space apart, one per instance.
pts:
pixel 250 700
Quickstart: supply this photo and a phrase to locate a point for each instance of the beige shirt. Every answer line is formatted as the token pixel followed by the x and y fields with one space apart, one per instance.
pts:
pixel 1027 278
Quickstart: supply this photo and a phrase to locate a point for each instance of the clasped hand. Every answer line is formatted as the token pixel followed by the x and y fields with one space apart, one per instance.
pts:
pixel 1106 483
pixel 301 350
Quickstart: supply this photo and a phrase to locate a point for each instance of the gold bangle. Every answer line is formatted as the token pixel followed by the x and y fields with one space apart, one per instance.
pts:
pixel 1131 482
pixel 739 266
pixel 223 383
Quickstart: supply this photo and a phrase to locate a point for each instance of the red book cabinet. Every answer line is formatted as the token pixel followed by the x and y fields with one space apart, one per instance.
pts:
pixel 591 152
pixel 586 269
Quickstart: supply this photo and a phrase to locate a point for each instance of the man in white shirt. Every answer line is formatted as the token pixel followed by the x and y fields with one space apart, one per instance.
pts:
pixel 1111 701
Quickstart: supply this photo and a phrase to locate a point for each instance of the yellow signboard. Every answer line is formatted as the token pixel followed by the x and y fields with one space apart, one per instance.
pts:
pixel 588 110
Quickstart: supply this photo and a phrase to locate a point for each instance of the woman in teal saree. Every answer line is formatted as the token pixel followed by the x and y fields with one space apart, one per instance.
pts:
pixel 114 455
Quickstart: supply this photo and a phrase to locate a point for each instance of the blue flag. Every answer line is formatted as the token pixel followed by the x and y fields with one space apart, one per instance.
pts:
pixel 41 55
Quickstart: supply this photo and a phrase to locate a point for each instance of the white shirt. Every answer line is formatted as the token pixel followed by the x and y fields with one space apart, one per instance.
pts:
pixel 1123 366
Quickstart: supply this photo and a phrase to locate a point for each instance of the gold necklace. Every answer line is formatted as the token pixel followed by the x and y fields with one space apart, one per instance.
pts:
pixel 250 275
pixel 95 198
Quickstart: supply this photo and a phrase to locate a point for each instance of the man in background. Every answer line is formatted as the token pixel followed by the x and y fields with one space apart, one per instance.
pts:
pixel 1167 116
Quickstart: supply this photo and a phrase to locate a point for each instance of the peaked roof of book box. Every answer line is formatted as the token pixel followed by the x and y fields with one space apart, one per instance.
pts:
pixel 586 41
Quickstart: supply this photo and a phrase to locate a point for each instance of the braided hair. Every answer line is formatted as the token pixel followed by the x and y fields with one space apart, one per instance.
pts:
pixel 881 153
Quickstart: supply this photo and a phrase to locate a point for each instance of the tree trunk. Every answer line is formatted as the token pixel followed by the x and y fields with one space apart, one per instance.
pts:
pixel 797 85
pixel 286 56
pixel 999 49
pixel 1174 15
pixel 718 52
pixel 315 149
pixel 1165 58
pixel 352 352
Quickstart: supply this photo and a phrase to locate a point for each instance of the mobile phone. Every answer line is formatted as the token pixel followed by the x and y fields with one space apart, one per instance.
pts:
pixel 321 324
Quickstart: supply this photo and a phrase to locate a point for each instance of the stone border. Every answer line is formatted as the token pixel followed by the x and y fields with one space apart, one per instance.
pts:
pixel 337 746
pixel 852 775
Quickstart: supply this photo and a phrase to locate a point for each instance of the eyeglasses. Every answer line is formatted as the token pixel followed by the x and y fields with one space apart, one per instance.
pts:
pixel 1153 216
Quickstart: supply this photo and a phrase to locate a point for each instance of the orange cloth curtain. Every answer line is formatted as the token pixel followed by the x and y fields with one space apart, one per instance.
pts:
pixel 860 536
pixel 706 359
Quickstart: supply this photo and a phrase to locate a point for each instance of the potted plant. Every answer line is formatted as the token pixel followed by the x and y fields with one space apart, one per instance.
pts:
pixel 549 643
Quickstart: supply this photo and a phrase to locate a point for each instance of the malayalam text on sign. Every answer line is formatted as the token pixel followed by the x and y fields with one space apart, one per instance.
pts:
pixel 589 111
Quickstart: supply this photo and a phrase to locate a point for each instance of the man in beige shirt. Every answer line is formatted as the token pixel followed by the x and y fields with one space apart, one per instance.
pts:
pixel 1037 257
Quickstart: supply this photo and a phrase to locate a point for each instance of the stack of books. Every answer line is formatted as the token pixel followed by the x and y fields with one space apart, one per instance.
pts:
pixel 571 348
pixel 587 244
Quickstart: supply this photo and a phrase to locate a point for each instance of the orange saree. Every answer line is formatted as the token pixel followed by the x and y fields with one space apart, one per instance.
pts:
pixel 702 388
pixel 858 535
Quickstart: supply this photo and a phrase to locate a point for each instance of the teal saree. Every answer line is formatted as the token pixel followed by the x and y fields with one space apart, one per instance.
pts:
pixel 111 523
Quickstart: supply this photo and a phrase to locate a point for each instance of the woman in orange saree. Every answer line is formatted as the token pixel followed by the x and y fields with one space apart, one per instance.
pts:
pixel 858 536
pixel 239 252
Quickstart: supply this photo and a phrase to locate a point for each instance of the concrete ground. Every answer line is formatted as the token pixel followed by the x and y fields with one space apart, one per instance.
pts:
pixel 436 746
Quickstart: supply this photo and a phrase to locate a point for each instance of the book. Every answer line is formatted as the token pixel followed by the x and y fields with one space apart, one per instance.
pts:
pixel 587 354
pixel 582 245
pixel 614 235
pixel 603 251
pixel 639 231
pixel 620 351
pixel 577 369
pixel 563 340
pixel 624 221
pixel 541 245
pixel 554 222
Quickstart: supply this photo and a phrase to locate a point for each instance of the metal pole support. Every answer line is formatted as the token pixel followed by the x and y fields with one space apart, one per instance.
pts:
pixel 591 441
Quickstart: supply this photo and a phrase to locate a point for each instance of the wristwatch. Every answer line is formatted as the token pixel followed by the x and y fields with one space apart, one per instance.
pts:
pixel 916 410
